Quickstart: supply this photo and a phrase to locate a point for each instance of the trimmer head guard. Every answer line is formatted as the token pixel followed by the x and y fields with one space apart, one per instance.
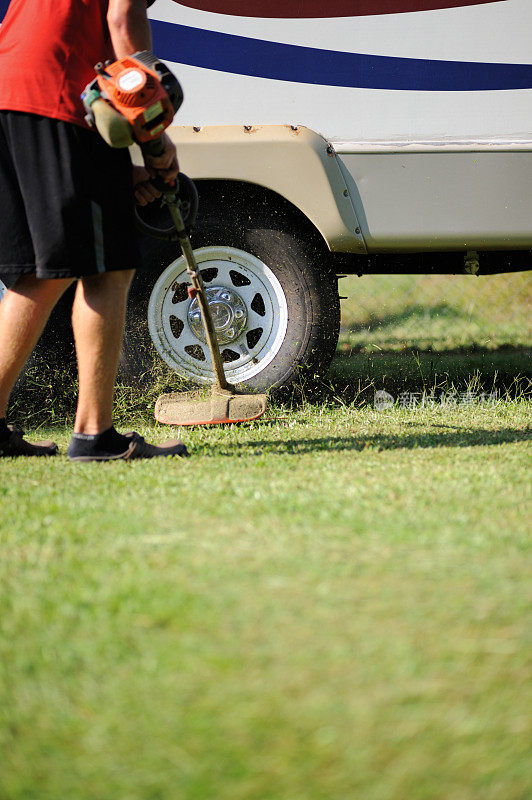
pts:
pixel 221 408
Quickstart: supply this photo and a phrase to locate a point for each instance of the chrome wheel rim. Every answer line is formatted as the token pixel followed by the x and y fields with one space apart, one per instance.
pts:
pixel 249 309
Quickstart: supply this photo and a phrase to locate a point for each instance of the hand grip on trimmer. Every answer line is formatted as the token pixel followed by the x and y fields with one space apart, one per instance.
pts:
pixel 185 192
pixel 159 183
pixel 154 148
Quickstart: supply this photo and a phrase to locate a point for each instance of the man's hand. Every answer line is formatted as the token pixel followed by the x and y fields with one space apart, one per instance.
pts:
pixel 166 166
pixel 145 192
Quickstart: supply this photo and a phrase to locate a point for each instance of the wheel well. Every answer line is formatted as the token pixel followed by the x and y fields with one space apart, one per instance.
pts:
pixel 241 196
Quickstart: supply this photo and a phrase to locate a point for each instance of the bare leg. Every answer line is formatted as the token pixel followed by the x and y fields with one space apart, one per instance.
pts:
pixel 98 316
pixel 24 312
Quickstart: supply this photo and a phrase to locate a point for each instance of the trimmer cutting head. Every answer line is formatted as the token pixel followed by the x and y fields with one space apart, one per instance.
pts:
pixel 221 408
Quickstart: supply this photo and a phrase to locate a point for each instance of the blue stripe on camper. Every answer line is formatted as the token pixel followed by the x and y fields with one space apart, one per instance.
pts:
pixel 286 62
pixel 3 8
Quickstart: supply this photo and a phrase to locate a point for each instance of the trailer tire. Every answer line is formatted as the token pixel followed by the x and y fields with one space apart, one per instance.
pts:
pixel 262 262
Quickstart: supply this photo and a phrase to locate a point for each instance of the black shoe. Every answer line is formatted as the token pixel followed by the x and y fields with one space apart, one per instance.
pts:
pixel 16 445
pixel 139 448
pixel 136 447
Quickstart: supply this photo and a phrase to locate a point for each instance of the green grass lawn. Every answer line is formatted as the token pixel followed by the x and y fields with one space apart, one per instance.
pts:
pixel 436 312
pixel 331 604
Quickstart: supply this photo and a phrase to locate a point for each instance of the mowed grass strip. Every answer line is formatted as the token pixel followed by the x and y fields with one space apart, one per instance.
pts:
pixel 330 604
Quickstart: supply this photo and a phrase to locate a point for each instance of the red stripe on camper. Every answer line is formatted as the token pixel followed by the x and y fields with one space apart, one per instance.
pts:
pixel 281 9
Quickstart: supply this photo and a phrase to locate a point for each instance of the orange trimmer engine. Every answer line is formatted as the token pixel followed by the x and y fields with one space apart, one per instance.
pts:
pixel 139 88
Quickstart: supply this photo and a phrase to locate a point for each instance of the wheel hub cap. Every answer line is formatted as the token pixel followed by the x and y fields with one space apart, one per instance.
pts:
pixel 229 315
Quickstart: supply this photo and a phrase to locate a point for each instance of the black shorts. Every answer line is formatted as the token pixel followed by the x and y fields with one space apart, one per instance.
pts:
pixel 67 205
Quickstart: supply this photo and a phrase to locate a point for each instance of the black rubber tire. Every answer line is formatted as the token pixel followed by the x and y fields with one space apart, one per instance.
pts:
pixel 290 247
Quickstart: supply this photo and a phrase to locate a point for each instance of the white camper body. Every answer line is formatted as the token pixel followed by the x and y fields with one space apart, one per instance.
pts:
pixel 426 114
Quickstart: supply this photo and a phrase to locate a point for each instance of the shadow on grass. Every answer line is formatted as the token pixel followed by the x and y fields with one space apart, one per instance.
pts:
pixel 416 313
pixel 460 437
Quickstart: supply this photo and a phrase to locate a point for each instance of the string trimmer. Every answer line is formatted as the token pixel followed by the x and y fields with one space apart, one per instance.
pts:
pixel 134 99
pixel 225 403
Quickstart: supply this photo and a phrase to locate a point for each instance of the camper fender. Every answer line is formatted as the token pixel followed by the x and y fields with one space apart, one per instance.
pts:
pixel 292 161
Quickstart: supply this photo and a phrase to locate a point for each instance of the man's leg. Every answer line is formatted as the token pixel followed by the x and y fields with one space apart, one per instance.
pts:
pixel 98 316
pixel 24 312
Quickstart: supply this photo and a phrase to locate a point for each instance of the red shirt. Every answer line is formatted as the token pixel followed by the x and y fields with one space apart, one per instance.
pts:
pixel 48 49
